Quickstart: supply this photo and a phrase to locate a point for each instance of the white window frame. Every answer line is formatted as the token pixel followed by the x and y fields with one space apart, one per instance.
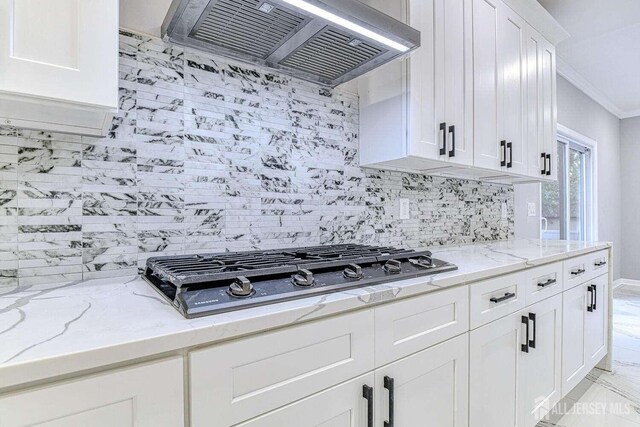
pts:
pixel 571 137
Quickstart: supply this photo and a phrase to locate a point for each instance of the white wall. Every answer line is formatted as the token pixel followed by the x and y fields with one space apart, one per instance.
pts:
pixel 630 170
pixel 582 114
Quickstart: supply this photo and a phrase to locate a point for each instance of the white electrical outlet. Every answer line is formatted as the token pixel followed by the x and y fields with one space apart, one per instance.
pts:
pixel 404 209
pixel 531 209
pixel 504 211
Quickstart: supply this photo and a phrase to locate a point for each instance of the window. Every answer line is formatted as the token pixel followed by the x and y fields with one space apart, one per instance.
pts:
pixel 567 205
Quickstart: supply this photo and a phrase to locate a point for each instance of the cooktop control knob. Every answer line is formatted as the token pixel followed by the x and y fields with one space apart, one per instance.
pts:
pixel 303 278
pixel 424 261
pixel 241 288
pixel 392 266
pixel 353 271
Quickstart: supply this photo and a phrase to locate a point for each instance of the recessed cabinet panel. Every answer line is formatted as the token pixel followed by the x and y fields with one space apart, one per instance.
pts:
pixel 429 387
pixel 549 108
pixel 149 395
pixel 340 406
pixel 541 382
pixel 574 363
pixel 241 379
pixel 494 371
pixel 55 45
pixel 597 320
pixel 486 74
pixel 63 50
pixel 512 57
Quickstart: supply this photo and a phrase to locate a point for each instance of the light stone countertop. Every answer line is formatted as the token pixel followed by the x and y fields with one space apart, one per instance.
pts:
pixel 50 331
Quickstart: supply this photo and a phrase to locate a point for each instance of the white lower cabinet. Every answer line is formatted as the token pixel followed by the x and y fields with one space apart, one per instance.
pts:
pixel 585 330
pixel 427 388
pixel 149 395
pixel 540 386
pixel 494 369
pixel 345 405
pixel 515 371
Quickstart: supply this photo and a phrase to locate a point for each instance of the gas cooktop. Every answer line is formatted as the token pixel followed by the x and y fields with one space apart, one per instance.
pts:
pixel 198 285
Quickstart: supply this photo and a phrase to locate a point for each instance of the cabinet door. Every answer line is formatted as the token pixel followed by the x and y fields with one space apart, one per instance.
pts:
pixel 340 406
pixel 494 355
pixel 487 71
pixel 425 138
pixel 62 50
pixel 536 154
pixel 541 381
pixel 512 60
pixel 549 106
pixel 452 77
pixel 574 363
pixel 429 388
pixel 597 324
pixel 143 396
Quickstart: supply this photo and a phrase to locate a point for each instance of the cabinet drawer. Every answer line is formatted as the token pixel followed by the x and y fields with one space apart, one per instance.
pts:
pixel 411 325
pixel 584 268
pixel 149 395
pixel 599 263
pixel 497 297
pixel 239 380
pixel 543 282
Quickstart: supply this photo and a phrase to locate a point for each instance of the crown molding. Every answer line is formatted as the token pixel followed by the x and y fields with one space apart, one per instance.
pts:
pixel 576 79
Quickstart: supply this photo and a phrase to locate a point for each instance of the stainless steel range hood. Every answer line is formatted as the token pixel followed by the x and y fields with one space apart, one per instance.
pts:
pixel 323 41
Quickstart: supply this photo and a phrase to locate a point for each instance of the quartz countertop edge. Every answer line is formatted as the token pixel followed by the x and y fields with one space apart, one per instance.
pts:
pixel 51 331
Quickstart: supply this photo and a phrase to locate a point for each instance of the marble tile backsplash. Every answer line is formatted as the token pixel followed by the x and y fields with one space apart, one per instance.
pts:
pixel 206 155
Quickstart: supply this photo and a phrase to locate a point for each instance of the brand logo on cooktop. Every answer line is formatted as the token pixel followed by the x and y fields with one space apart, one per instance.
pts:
pixel 209 301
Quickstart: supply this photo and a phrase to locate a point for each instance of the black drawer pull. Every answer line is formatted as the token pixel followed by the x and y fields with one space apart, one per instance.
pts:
pixel 578 272
pixel 388 384
pixel 510 148
pixel 547 283
pixel 525 347
pixel 452 131
pixel 595 297
pixel 532 317
pixel 443 129
pixel 543 156
pixel 367 393
pixel 591 291
pixel 600 264
pixel 506 296
pixel 549 168
pixel 503 145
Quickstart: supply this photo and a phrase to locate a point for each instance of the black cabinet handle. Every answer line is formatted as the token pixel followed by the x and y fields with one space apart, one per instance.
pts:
pixel 388 384
pixel 544 163
pixel 443 129
pixel 578 272
pixel 506 296
pixel 510 148
pixel 452 131
pixel 549 168
pixel 591 292
pixel 547 283
pixel 367 393
pixel 595 297
pixel 600 264
pixel 525 347
pixel 532 317
pixel 503 145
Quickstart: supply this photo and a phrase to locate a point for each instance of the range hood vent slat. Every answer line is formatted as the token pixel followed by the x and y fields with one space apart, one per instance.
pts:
pixel 290 39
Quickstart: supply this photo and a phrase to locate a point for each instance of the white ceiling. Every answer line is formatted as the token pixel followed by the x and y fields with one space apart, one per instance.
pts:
pixel 144 16
pixel 602 56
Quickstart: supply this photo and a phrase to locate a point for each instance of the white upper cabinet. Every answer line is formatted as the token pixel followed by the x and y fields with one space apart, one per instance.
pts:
pixel 512 57
pixel 541 107
pixel 461 104
pixel 59 64
pixel 487 73
pixel 414 111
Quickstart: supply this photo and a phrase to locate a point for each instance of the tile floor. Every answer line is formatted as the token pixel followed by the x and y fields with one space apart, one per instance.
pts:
pixel 611 399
